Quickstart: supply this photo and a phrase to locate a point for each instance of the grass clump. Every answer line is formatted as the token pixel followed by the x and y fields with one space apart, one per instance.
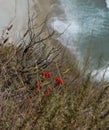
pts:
pixel 41 88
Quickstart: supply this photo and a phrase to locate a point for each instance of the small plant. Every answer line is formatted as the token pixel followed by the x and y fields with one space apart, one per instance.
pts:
pixel 45 81
pixel 48 91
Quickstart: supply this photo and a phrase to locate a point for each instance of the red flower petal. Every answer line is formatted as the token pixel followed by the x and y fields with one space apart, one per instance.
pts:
pixel 38 85
pixel 46 75
pixel 47 92
pixel 59 81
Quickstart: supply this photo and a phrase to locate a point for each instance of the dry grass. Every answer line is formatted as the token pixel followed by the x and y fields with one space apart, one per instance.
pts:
pixel 79 104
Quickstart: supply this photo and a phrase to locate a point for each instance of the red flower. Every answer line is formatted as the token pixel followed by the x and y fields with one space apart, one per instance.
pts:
pixel 46 75
pixel 47 92
pixel 38 85
pixel 59 81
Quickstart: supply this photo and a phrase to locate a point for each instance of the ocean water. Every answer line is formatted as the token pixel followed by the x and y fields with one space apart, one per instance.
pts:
pixel 86 25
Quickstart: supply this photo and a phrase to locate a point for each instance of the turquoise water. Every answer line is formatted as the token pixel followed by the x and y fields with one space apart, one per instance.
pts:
pixel 85 22
pixel 89 30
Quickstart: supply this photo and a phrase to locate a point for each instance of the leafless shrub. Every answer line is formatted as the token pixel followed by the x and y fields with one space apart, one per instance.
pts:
pixel 20 63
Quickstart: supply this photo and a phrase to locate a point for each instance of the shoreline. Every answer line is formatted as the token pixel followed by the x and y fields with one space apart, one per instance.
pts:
pixel 53 9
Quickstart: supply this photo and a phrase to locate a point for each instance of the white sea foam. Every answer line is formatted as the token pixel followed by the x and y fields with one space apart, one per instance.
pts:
pixel 69 27
pixel 69 31
pixel 102 73
pixel 107 3
pixel 80 23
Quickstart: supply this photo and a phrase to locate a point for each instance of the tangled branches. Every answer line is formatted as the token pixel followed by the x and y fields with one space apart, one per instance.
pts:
pixel 21 62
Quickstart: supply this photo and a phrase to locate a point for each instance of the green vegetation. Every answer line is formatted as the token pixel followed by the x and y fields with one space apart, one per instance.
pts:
pixel 30 99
